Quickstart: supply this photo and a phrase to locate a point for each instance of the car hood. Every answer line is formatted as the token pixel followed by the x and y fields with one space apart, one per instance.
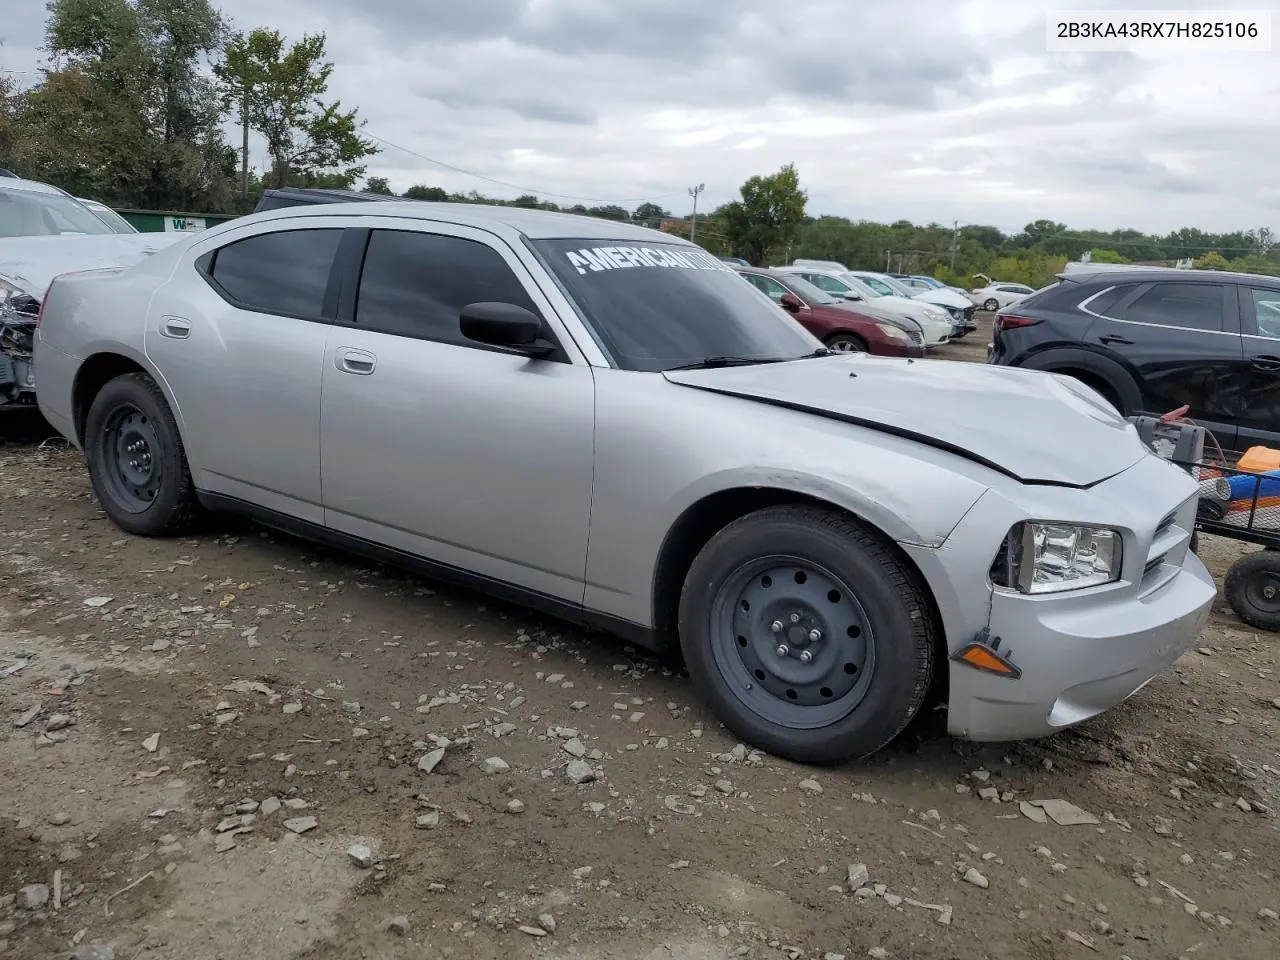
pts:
pixel 868 309
pixel 946 298
pixel 30 263
pixel 1033 426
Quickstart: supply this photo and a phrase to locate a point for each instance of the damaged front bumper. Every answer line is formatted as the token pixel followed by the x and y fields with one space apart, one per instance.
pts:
pixel 19 313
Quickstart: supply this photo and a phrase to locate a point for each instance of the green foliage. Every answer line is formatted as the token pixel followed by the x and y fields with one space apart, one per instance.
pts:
pixel 128 115
pixel 378 185
pixel 421 191
pixel 764 223
pixel 1100 255
pixel 1212 260
pixel 280 91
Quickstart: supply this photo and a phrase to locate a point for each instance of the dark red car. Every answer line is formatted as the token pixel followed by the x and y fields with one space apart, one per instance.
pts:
pixel 835 322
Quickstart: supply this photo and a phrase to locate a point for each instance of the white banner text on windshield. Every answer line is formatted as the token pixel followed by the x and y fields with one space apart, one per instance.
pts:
pixel 596 259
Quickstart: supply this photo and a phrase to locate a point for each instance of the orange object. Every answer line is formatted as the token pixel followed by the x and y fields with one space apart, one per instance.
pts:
pixel 983 658
pixel 1259 460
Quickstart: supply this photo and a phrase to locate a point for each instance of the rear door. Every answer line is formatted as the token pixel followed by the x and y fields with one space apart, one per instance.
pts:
pixel 1258 384
pixel 1181 342
pixel 239 338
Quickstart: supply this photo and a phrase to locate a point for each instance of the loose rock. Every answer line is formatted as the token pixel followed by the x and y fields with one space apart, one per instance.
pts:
pixel 35 896
pixel 574 748
pixel 496 765
pixel 978 880
pixel 859 875
pixel 532 931
pixel 301 824
pixel 547 922
pixel 810 786
pixel 95 951
pixel 152 743
pixel 579 771
pixel 399 926
pixel 515 806
pixel 361 855
pixel 430 761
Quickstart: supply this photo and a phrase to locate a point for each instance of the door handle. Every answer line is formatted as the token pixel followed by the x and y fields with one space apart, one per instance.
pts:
pixel 357 362
pixel 1267 364
pixel 1110 338
pixel 175 327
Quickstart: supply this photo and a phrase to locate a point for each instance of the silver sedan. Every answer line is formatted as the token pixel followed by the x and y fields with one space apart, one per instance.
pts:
pixel 605 422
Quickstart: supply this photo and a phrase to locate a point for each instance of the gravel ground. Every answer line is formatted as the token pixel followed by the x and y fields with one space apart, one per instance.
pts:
pixel 239 745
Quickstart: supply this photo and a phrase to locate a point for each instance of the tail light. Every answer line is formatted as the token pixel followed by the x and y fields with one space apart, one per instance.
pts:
pixel 1011 321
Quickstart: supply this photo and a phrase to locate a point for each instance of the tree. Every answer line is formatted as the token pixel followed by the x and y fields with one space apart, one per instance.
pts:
pixel 129 113
pixel 421 191
pixel 1103 255
pixel 650 214
pixel 1211 260
pixel 768 216
pixel 378 185
pixel 282 89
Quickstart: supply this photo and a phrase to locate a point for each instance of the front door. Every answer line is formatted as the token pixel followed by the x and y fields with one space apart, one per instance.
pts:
pixel 1259 380
pixel 441 447
pixel 239 337
pixel 1181 342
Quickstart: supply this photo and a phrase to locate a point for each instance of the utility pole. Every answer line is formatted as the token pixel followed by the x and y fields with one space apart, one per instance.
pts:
pixel 244 127
pixel 693 192
pixel 888 254
pixel 955 233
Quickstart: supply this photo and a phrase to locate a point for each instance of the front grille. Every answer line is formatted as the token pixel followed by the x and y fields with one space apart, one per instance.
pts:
pixel 916 337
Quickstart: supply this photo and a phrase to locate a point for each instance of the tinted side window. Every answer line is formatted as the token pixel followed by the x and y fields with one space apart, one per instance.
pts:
pixel 416 284
pixel 1194 306
pixel 284 272
pixel 1266 312
pixel 1108 299
pixel 823 282
pixel 768 286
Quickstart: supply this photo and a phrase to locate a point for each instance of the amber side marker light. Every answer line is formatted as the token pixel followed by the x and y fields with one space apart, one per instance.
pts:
pixel 981 657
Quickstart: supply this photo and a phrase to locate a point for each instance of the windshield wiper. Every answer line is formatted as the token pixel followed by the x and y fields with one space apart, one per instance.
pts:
pixel 711 363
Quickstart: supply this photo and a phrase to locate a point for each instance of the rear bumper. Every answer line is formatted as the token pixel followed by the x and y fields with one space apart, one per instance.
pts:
pixel 1077 661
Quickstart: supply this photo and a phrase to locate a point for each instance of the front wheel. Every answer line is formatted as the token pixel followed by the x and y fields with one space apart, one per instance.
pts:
pixel 807 634
pixel 846 343
pixel 136 459
pixel 993 305
pixel 1252 587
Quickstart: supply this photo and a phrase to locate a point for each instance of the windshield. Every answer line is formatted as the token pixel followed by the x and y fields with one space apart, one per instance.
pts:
pixel 117 223
pixel 27 214
pixel 858 285
pixel 889 287
pixel 810 292
pixel 664 305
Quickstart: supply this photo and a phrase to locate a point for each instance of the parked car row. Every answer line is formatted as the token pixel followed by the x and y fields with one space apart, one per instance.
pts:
pixel 611 424
pixel 997 294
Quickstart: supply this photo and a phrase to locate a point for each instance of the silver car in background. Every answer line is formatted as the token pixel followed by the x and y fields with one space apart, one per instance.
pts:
pixel 606 423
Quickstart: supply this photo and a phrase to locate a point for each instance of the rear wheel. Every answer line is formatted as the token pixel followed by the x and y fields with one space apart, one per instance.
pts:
pixel 992 304
pixel 807 634
pixel 1252 587
pixel 846 343
pixel 136 459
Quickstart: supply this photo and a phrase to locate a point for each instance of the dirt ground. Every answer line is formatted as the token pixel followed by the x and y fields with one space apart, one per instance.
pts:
pixel 186 706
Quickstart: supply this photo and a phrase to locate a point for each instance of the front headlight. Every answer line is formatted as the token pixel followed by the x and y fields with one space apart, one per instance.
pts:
pixel 893 333
pixel 933 313
pixel 1038 557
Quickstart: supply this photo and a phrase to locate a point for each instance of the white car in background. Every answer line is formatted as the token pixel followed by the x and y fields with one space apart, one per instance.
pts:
pixel 997 294
pixel 117 223
pixel 956 304
pixel 935 322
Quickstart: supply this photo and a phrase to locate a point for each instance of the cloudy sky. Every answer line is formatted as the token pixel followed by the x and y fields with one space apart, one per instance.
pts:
pixel 927 110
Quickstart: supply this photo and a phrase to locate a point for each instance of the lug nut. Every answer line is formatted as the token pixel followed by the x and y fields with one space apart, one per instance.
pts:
pixel 783 650
pixel 805 656
pixel 776 626
pixel 815 636
pixel 795 618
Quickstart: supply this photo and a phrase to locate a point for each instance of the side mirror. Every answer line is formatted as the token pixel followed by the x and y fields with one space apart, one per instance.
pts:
pixel 790 302
pixel 850 295
pixel 505 325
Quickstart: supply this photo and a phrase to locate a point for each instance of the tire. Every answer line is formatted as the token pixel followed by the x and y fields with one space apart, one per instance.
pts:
pixel 992 305
pixel 846 343
pixel 1246 587
pixel 146 490
pixel 873 658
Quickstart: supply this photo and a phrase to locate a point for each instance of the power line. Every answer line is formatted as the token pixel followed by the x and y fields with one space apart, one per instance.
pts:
pixel 514 186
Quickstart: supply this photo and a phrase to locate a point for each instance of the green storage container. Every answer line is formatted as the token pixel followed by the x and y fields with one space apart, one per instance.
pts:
pixel 173 221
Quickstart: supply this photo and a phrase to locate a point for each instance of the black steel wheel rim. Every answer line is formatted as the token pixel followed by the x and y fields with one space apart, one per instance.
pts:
pixel 130 449
pixel 792 641
pixel 1262 590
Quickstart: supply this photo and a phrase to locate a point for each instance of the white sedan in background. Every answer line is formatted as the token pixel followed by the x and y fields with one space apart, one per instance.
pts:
pixel 996 295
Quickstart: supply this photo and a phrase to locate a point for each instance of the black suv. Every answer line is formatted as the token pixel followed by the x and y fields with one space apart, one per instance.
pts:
pixel 1151 340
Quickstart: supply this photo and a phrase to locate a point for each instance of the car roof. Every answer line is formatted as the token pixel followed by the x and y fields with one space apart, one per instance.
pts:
pixel 534 224
pixel 1163 275
pixel 31 186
